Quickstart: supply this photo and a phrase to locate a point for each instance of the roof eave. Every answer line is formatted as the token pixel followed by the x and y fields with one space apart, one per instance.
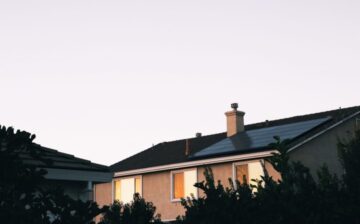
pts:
pixel 203 162
pixel 78 175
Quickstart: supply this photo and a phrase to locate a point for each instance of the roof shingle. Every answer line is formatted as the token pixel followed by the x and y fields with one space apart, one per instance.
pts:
pixel 60 160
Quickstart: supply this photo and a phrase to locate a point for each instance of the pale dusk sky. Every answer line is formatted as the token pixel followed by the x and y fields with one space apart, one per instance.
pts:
pixel 104 80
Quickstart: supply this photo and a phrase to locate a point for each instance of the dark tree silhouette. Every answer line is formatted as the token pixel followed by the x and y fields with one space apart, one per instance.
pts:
pixel 297 198
pixel 22 200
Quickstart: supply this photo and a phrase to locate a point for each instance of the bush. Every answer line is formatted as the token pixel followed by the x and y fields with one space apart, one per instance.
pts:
pixel 137 212
pixel 297 198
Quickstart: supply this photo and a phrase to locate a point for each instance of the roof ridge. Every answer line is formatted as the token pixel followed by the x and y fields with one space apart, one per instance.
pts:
pixel 183 139
pixel 306 115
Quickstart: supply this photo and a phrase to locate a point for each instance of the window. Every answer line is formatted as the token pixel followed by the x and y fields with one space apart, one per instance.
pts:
pixel 247 171
pixel 182 184
pixel 125 188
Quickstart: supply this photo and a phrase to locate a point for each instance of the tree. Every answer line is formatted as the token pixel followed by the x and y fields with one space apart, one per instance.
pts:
pixel 22 200
pixel 349 152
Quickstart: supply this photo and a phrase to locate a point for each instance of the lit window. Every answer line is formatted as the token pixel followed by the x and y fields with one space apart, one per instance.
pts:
pixel 125 188
pixel 183 184
pixel 248 171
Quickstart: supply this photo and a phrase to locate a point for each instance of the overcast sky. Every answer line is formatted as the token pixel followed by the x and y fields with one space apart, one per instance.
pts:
pixel 106 79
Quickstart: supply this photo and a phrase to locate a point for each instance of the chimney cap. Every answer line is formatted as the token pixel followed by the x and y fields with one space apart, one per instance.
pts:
pixel 198 134
pixel 234 106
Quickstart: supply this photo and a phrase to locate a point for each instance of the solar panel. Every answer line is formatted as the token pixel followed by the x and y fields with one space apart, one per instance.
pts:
pixel 259 138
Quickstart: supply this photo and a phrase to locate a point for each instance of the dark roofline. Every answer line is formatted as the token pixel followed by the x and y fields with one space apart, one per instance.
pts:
pixel 297 118
pixel 72 156
pixel 166 142
pixel 54 155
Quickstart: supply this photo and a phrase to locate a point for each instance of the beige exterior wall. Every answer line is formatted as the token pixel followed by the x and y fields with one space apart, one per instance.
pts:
pixel 103 194
pixel 156 188
pixel 323 149
pixel 272 172
pixel 222 172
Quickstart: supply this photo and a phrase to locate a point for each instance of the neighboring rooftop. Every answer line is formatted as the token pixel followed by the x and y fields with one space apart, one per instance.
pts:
pixel 59 160
pixel 174 152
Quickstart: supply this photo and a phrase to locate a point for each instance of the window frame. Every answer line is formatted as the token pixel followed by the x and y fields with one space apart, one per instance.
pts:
pixel 127 177
pixel 234 164
pixel 172 199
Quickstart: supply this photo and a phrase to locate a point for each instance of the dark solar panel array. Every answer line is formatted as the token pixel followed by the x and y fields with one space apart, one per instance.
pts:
pixel 259 138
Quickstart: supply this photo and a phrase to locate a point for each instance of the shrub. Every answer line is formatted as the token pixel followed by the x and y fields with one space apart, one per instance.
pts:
pixel 137 212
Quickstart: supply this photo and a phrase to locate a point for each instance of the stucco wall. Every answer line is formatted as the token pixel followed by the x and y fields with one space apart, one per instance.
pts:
pixel 103 193
pixel 272 172
pixel 157 187
pixel 222 172
pixel 323 149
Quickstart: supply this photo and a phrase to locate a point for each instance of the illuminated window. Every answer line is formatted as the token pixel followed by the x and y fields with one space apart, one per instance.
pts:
pixel 125 188
pixel 248 171
pixel 183 184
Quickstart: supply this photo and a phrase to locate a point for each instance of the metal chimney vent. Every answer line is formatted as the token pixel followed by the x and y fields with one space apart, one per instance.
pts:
pixel 234 106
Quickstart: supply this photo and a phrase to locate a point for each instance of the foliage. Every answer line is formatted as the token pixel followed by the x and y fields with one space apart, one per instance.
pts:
pixel 137 212
pixel 65 210
pixel 296 198
pixel 221 205
pixel 22 199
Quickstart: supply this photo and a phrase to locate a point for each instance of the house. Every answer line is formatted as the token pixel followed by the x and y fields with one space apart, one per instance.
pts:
pixel 167 171
pixel 75 176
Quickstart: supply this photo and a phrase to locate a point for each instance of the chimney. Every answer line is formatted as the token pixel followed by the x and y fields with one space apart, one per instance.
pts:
pixel 234 120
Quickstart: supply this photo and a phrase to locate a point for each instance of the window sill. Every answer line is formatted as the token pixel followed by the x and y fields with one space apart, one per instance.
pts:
pixel 175 200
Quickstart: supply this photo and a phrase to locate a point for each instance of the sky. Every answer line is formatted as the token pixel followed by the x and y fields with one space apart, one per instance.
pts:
pixel 104 80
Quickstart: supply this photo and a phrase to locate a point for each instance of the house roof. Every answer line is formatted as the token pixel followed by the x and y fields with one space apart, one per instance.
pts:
pixel 261 138
pixel 174 152
pixel 50 158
